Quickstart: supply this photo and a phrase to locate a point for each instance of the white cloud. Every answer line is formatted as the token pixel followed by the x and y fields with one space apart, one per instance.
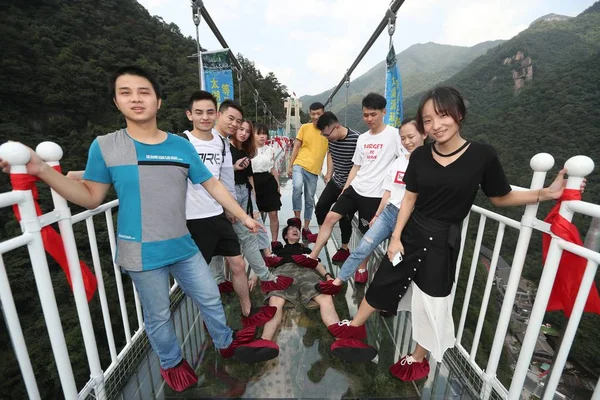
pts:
pixel 334 57
pixel 470 23
pixel 283 74
pixel 305 36
pixel 284 12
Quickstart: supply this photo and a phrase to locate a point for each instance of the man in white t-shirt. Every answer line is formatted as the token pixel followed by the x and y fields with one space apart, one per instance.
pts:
pixel 375 150
pixel 384 221
pixel 211 230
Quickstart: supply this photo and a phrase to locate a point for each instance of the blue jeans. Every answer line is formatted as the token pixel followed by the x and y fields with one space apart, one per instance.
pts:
pixel 251 243
pixel 301 178
pixel 195 280
pixel 382 229
pixel 264 242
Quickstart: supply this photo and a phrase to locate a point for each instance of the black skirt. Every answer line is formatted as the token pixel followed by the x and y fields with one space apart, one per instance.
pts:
pixel 430 253
pixel 268 197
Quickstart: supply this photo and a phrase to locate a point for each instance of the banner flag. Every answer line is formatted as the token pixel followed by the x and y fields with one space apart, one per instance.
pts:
pixel 393 90
pixel 218 77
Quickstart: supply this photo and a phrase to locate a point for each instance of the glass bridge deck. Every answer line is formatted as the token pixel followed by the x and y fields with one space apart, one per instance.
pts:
pixel 304 368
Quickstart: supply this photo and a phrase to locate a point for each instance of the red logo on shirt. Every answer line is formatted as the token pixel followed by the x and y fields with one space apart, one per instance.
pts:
pixel 371 150
pixel 399 177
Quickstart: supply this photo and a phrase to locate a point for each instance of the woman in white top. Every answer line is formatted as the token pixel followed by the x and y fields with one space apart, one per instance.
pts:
pixel 266 181
pixel 383 223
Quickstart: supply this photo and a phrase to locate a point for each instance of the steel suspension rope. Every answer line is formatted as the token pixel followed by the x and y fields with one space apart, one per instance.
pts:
pixel 346 109
pixel 393 8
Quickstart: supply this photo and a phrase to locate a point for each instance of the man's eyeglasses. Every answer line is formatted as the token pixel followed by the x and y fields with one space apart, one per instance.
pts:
pixel 326 134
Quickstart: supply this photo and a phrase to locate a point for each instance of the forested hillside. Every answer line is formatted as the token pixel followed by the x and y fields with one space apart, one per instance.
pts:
pixel 57 56
pixel 421 66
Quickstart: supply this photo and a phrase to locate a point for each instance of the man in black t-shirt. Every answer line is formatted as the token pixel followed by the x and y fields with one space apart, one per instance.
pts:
pixel 342 144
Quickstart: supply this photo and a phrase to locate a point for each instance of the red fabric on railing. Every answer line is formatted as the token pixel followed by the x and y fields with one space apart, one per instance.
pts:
pixel 571 267
pixel 53 243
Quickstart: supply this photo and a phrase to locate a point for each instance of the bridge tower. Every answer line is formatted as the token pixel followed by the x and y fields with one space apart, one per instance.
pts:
pixel 292 122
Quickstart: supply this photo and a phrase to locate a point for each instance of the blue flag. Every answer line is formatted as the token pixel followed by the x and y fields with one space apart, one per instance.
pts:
pixel 217 74
pixel 393 90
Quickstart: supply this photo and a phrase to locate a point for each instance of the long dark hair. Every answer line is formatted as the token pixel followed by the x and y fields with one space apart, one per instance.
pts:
pixel 248 145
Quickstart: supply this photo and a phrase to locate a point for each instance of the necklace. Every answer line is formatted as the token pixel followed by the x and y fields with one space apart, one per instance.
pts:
pixel 455 152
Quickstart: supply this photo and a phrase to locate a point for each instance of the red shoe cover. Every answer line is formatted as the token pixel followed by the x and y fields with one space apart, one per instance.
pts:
pixel 295 222
pixel 361 278
pixel 225 287
pixel 259 317
pixel 407 369
pixel 304 260
pixel 273 261
pixel 276 244
pixel 343 330
pixel 257 351
pixel 353 350
pixel 241 337
pixel 180 377
pixel 341 255
pixel 312 237
pixel 305 233
pixel 282 283
pixel 327 287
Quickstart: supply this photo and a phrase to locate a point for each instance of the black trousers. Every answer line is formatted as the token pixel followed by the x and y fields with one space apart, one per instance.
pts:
pixel 326 201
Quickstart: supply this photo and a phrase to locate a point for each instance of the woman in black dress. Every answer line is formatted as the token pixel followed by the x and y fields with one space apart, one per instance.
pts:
pixel 442 180
pixel 266 181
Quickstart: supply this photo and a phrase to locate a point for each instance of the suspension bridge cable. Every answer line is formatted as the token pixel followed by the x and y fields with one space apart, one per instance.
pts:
pixel 213 27
pixel 393 9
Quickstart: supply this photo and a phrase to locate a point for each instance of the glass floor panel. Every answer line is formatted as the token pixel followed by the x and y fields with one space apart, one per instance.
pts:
pixel 305 368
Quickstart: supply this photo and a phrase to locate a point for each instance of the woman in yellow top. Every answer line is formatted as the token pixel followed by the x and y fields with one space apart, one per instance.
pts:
pixel 306 163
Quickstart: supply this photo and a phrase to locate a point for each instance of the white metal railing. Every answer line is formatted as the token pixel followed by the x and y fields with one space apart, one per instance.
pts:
pixel 31 226
pixel 578 167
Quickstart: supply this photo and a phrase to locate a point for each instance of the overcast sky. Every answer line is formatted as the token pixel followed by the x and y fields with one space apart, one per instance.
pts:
pixel 309 44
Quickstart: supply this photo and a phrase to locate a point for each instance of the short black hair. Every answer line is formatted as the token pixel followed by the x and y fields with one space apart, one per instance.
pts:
pixel 231 104
pixel 201 95
pixel 328 118
pixel 261 129
pixel 136 71
pixel 374 101
pixel 316 106
pixel 446 100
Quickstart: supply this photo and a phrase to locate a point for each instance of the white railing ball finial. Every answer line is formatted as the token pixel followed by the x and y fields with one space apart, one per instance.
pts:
pixel 542 162
pixel 17 155
pixel 49 152
pixel 579 166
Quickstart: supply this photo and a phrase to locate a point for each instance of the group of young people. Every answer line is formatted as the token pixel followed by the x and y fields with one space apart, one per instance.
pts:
pixel 193 197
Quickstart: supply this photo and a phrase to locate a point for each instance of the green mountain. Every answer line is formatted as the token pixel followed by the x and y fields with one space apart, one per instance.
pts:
pixel 420 66
pixel 539 92
pixel 551 17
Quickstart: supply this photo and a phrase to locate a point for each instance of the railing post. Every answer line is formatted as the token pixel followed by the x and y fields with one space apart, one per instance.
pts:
pixel 596 394
pixel 541 163
pixel 577 167
pixel 18 156
pixel 52 153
